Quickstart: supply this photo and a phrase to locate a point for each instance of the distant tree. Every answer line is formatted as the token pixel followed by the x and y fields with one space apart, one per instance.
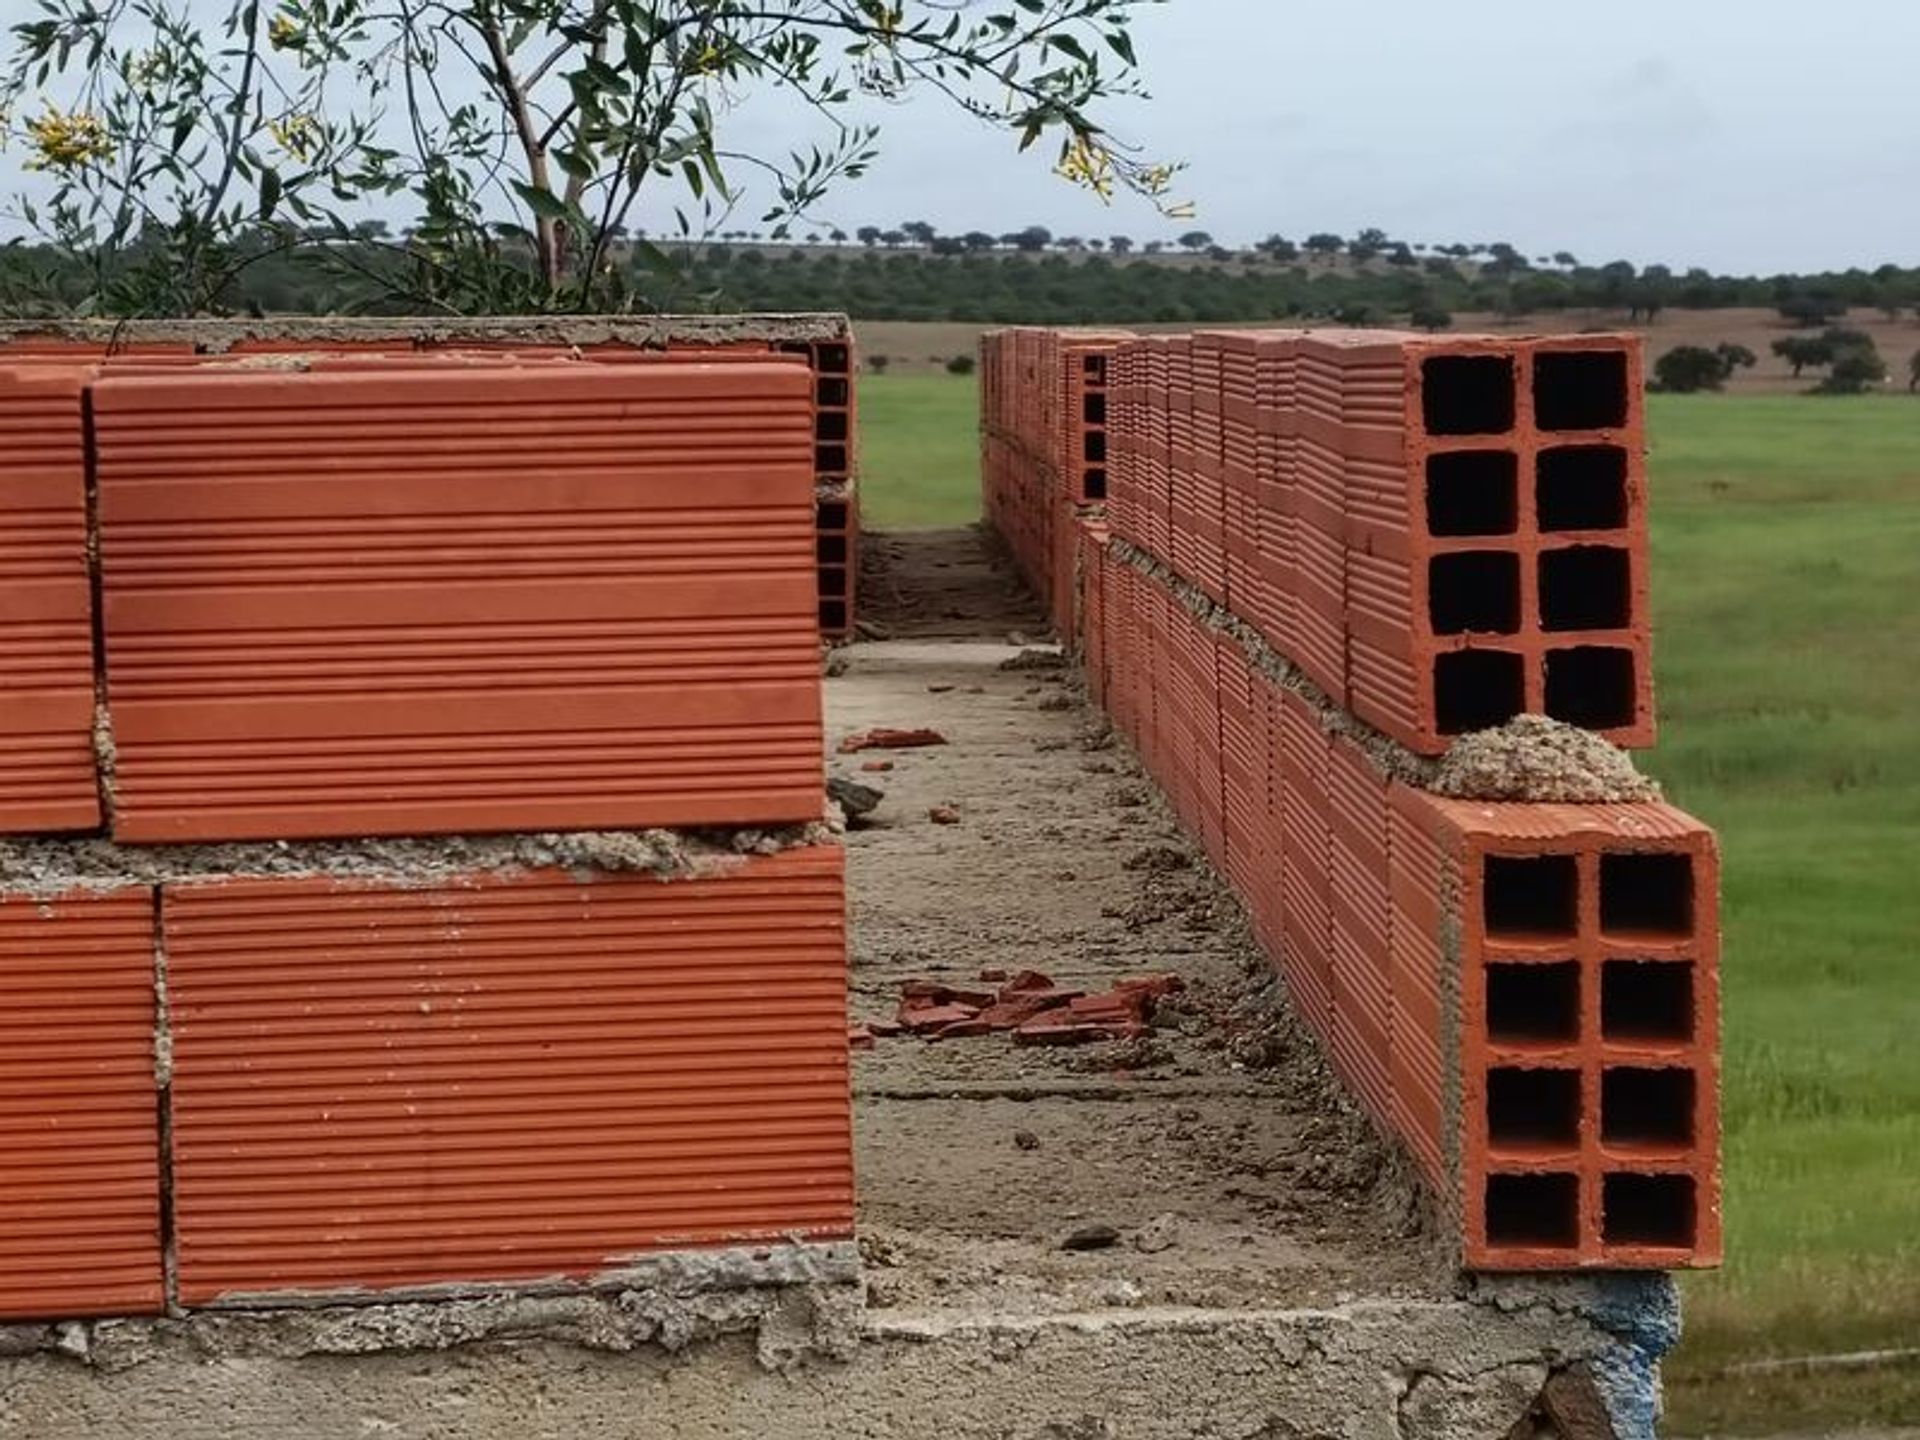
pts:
pixel 1800 351
pixel 960 365
pixel 893 239
pixel 1367 244
pixel 978 241
pixel 1565 259
pixel 1154 247
pixel 1071 242
pixel 1686 369
pixel 1278 247
pixel 1120 244
pixel 1031 240
pixel 1734 357
pixel 1220 254
pixel 1095 243
pixel 1195 240
pixel 947 245
pixel 1401 255
pixel 813 237
pixel 868 235
pixel 1913 373
pixel 878 363
pixel 918 231
pixel 1325 244
pixel 1807 311
pixel 1429 317
pixel 837 235
pixel 1855 370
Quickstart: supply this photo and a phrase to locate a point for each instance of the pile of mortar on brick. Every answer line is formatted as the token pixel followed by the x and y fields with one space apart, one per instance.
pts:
pixel 1191 420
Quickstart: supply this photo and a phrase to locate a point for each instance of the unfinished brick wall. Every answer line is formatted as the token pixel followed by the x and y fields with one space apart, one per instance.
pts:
pixel 407 590
pixel 1380 542
pixel 1045 459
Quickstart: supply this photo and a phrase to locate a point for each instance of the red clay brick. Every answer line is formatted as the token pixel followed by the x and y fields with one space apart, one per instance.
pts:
pixel 80 1146
pixel 286 595
pixel 48 780
pixel 503 1077
pixel 1618 1104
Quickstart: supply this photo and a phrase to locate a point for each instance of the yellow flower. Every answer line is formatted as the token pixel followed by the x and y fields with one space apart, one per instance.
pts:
pixel 66 142
pixel 282 33
pixel 295 134
pixel 1088 165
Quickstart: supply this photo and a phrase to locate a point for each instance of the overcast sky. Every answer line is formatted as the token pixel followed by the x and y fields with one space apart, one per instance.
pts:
pixel 1747 136
pixel 1741 135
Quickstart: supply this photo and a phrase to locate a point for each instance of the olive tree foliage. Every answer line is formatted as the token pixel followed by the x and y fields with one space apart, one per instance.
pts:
pixel 525 138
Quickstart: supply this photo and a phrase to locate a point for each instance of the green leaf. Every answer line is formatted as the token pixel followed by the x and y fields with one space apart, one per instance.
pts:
pixel 543 203
pixel 270 191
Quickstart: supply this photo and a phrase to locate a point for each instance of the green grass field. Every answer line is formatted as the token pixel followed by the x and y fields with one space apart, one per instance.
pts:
pixel 1786 548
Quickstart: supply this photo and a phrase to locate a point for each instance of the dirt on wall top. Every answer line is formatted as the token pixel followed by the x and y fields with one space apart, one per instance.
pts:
pixel 217 336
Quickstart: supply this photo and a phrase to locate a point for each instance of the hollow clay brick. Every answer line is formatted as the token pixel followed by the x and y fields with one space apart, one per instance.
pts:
pixel 503 1077
pixel 48 780
pixel 442 600
pixel 80 1149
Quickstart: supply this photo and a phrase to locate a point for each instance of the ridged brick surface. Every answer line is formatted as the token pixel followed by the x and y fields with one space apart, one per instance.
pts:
pixel 433 601
pixel 80 1138
pixel 505 1078
pixel 47 767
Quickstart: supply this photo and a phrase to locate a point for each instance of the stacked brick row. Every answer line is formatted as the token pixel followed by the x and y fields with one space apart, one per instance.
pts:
pixel 1524 994
pixel 405 595
pixel 1044 458
pixel 824 343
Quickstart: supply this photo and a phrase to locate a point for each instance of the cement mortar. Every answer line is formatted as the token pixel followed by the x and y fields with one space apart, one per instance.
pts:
pixel 1531 757
pixel 43 868
pixel 217 337
pixel 1437 1370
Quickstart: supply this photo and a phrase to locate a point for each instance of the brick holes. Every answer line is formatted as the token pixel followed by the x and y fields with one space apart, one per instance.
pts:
pixel 1474 591
pixel 1591 686
pixel 830 459
pixel 1093 408
pixel 1581 487
pixel 833 360
pixel 1467 394
pixel 1645 1000
pixel 1473 492
pixel 832 392
pixel 1477 690
pixel 832 515
pixel 1533 1211
pixel 1586 587
pixel 830 425
pixel 1094 484
pixel 1655 1210
pixel 1531 897
pixel 1094 448
pixel 1580 389
pixel 831 549
pixel 1646 895
pixel 833 614
pixel 1533 1005
pixel 1646 1108
pixel 1094 367
pixel 1533 1111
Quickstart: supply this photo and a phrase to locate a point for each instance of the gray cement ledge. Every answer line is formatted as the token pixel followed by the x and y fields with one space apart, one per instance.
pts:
pixel 803 1363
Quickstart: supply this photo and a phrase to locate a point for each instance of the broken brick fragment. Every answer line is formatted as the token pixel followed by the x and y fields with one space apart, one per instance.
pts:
pixel 926 1019
pixel 877 767
pixel 860 1037
pixel 944 815
pixel 890 739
